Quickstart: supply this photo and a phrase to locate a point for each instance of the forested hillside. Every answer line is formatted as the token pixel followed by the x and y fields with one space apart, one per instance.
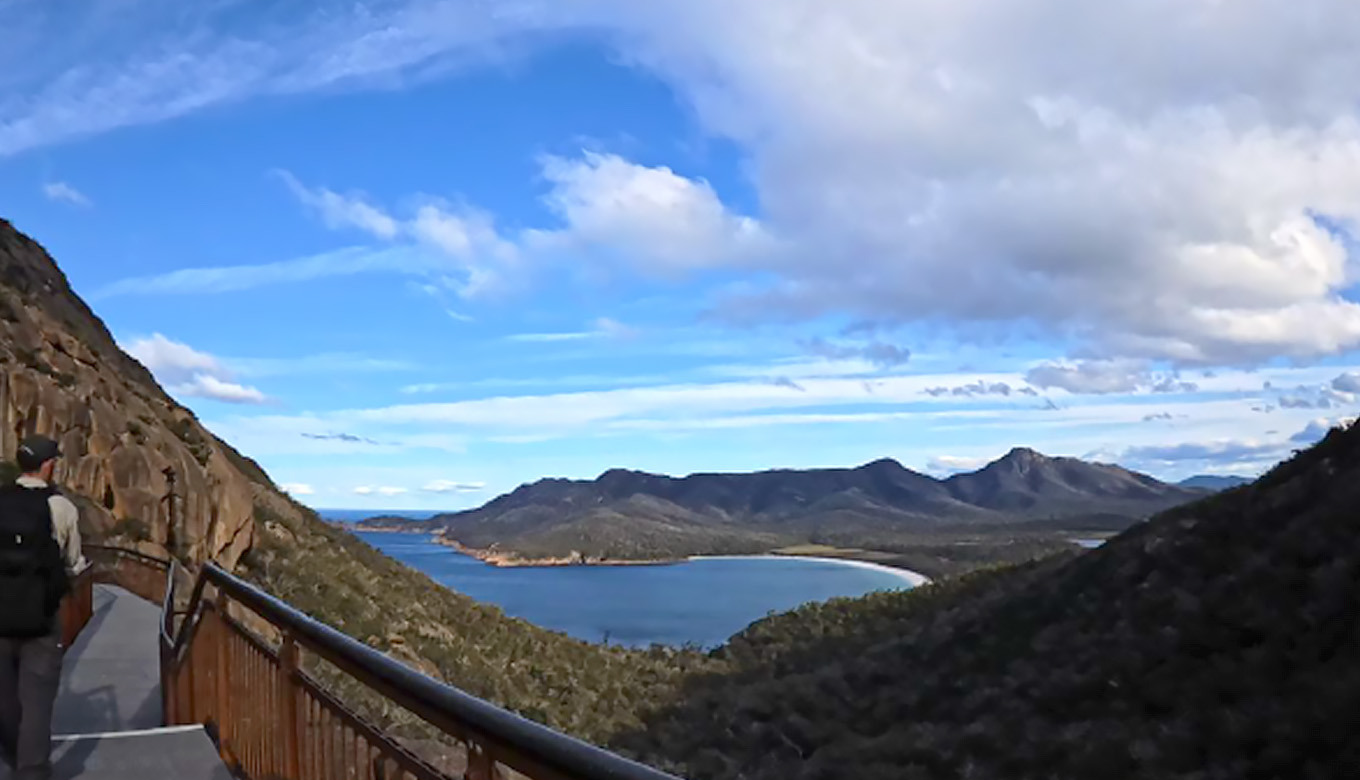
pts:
pixel 1220 640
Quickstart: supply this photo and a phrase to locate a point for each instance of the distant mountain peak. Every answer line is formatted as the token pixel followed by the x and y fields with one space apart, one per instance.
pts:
pixel 883 464
pixel 617 473
pixel 1023 457
pixel 1214 482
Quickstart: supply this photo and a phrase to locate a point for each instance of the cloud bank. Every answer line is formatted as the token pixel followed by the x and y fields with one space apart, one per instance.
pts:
pixel 1193 209
pixel 187 372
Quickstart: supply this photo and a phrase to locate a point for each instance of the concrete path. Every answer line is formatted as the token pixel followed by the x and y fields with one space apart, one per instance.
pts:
pixel 178 753
pixel 107 720
pixel 110 680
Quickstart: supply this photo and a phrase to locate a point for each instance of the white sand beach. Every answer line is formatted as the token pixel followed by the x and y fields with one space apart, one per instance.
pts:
pixel 910 576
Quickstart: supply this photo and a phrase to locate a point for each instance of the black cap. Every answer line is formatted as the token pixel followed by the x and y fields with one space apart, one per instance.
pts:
pixel 35 451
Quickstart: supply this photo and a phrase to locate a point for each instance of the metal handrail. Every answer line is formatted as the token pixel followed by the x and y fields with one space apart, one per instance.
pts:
pixel 516 742
pixel 438 703
pixel 126 552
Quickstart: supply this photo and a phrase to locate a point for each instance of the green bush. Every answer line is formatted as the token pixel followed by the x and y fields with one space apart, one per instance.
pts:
pixel 187 432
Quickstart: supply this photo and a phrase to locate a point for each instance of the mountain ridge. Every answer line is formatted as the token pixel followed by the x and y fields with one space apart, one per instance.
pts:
pixel 629 515
pixel 1214 482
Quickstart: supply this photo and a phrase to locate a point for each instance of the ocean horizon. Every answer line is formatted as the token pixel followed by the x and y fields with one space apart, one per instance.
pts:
pixel 355 515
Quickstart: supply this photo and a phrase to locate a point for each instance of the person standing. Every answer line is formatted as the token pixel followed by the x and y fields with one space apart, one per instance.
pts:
pixel 39 551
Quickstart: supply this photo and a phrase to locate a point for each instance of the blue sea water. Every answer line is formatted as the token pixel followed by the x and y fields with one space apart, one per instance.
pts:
pixel 699 602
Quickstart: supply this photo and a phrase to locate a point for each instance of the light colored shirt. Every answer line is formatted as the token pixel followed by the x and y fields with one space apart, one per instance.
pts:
pixel 65 524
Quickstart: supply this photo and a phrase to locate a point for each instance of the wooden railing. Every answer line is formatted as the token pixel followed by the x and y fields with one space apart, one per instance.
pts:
pixel 78 606
pixel 135 572
pixel 232 658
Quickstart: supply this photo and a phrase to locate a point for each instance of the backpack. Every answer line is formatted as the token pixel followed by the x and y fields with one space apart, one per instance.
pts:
pixel 32 574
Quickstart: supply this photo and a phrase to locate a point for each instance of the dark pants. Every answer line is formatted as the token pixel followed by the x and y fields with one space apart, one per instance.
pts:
pixel 30 673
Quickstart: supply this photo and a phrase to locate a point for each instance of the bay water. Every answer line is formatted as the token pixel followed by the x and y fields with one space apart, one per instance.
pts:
pixel 698 602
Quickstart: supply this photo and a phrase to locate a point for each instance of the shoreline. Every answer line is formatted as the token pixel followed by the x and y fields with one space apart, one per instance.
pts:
pixel 915 578
pixel 501 560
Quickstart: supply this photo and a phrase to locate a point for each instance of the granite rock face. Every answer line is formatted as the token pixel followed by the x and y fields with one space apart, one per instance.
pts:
pixel 62 375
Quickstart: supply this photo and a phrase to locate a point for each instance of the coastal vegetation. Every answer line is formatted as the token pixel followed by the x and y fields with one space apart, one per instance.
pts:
pixel 1218 640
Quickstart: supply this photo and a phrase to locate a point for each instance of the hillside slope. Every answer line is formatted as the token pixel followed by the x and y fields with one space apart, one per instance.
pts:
pixel 628 514
pixel 1219 640
pixel 62 375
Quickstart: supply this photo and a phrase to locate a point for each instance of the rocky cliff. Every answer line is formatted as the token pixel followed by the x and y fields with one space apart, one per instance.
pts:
pixel 62 375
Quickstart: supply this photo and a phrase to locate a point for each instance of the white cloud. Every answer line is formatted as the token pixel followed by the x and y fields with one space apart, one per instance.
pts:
pixel 236 278
pixel 979 388
pixel 953 464
pixel 450 486
pixel 298 489
pixel 1249 453
pixel 950 146
pixel 64 193
pixel 1317 429
pixel 427 387
pixel 187 372
pixel 384 490
pixel 475 258
pixel 204 386
pixel 160 59
pixel 878 353
pixel 324 363
pixel 1347 383
pixel 1325 396
pixel 1223 451
pixel 648 217
pixel 1088 189
pixel 1106 376
pixel 339 211
pixel 757 401
pixel 602 328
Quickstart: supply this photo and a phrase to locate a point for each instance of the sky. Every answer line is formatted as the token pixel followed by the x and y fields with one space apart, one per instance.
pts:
pixel 414 253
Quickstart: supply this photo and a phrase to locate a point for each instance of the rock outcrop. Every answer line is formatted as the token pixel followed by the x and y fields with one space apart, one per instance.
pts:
pixel 62 375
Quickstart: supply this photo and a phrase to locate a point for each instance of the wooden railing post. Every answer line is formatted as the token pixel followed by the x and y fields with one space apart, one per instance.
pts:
pixel 169 687
pixel 288 705
pixel 222 650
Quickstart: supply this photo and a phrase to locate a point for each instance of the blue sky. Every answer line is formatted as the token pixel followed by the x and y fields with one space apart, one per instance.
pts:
pixel 413 253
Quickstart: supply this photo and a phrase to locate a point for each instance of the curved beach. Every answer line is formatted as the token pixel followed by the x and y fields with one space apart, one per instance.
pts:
pixel 915 578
